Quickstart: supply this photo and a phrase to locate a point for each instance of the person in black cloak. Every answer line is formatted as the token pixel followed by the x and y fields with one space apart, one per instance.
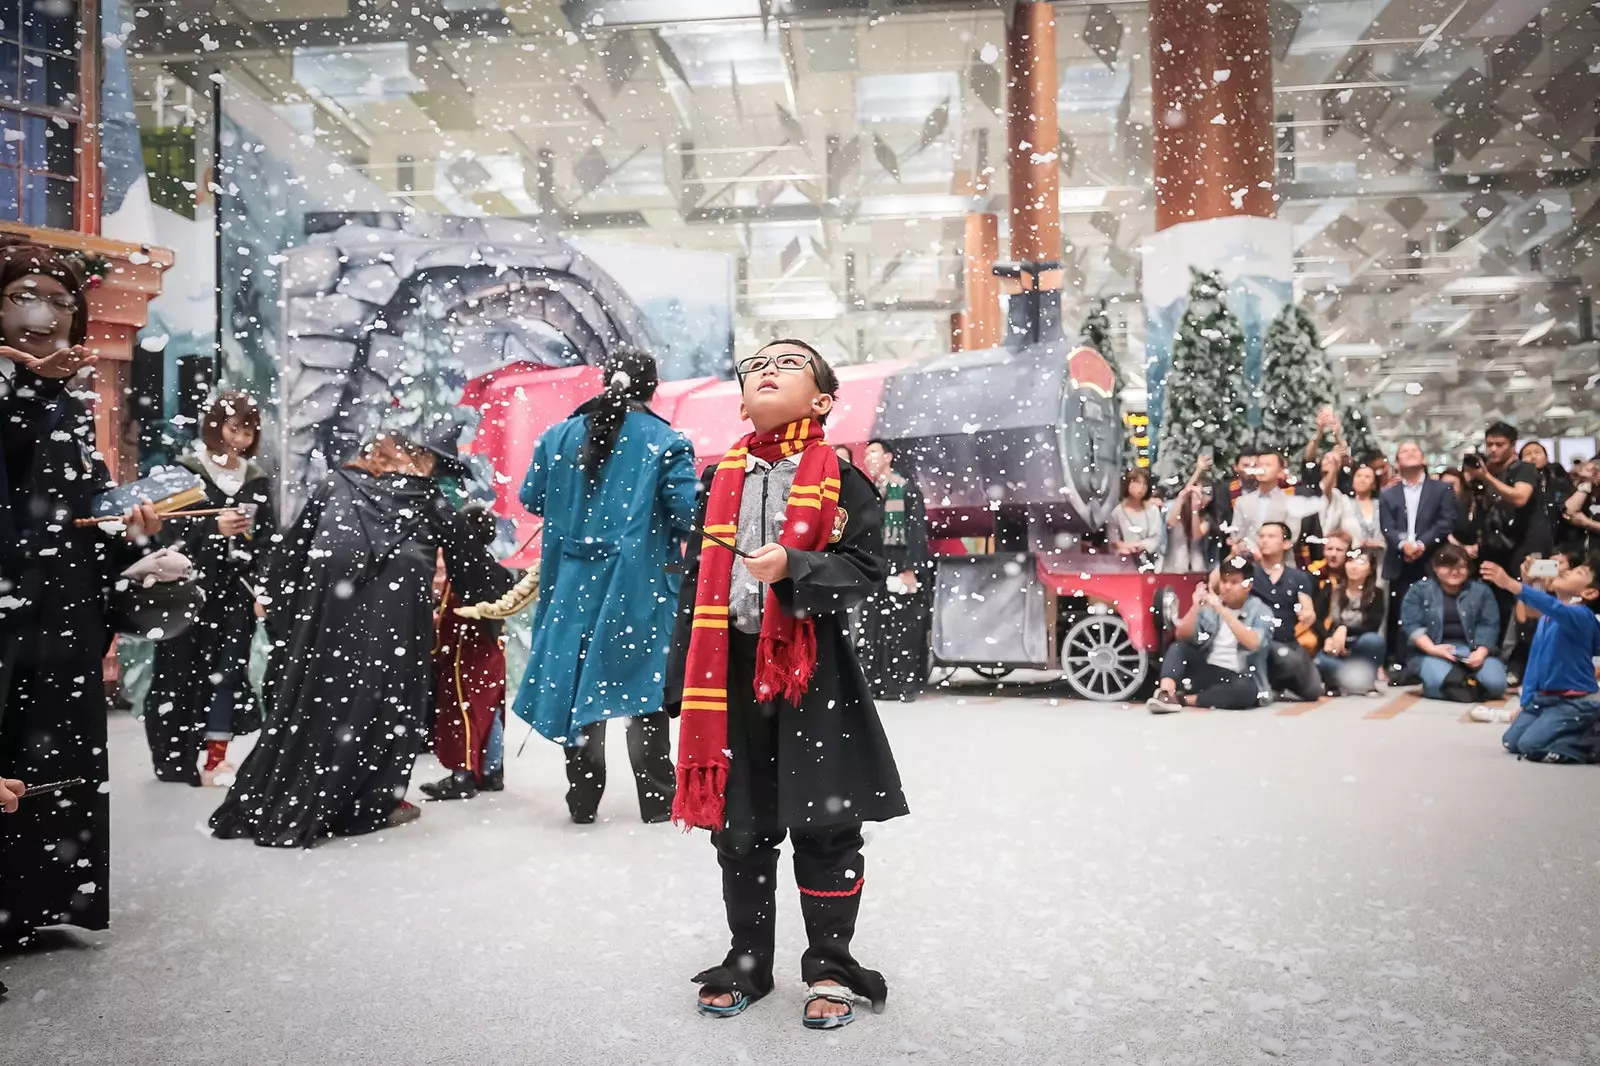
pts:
pixel 350 598
pixel 54 582
pixel 896 619
pixel 200 687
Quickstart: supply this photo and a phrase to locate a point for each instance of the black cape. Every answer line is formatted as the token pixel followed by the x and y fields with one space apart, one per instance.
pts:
pixel 351 588
pixel 212 658
pixel 826 761
pixel 54 579
pixel 894 625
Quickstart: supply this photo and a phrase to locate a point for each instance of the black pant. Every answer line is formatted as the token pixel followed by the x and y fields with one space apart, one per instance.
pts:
pixel 829 871
pixel 1399 646
pixel 1290 669
pixel 650 751
pixel 1212 686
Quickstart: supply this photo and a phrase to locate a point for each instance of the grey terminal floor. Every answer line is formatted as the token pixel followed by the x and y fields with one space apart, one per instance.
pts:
pixel 1363 881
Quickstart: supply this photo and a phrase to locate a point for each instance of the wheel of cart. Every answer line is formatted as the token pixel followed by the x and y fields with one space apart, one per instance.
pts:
pixel 1099 660
pixel 1114 628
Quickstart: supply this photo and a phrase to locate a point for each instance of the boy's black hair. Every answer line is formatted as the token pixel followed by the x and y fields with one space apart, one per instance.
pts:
pixel 1242 566
pixel 823 373
pixel 1503 430
pixel 880 442
pixel 1288 534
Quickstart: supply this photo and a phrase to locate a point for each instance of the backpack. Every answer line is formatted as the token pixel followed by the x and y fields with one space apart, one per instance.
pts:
pixel 1460 686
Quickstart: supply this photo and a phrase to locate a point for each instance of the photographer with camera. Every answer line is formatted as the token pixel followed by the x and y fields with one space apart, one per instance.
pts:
pixel 1560 707
pixel 1504 493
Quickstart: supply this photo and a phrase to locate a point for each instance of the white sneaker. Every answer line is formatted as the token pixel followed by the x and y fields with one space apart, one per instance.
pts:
pixel 1485 713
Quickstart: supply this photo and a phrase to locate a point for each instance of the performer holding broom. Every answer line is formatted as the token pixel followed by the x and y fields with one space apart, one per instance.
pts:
pixel 779 732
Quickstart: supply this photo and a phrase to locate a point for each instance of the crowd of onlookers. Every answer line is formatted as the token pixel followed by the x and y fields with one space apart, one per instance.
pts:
pixel 1353 572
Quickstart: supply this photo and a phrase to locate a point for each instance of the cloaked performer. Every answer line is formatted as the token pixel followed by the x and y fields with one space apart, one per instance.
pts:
pixel 351 591
pixel 469 690
pixel 779 732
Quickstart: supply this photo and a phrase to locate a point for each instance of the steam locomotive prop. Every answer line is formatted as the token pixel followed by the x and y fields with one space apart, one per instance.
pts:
pixel 1018 454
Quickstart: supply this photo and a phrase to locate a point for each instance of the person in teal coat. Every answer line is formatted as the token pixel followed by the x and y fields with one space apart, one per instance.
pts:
pixel 616 486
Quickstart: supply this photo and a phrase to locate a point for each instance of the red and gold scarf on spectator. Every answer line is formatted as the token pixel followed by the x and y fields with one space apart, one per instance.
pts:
pixel 786 653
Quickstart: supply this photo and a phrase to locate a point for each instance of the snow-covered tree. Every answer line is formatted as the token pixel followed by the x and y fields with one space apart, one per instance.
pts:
pixel 1206 399
pixel 1096 334
pixel 1357 422
pixel 1296 381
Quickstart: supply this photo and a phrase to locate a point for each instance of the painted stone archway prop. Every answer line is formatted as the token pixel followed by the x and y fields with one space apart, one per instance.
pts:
pixel 385 321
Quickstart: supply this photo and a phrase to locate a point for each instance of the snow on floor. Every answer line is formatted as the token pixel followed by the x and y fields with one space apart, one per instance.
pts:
pixel 1076 884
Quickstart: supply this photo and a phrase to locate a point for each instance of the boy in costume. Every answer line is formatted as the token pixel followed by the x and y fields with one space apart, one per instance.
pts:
pixel 779 732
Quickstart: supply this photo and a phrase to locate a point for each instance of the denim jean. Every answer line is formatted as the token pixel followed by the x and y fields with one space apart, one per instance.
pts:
pixel 1358 669
pixel 1433 670
pixel 1556 729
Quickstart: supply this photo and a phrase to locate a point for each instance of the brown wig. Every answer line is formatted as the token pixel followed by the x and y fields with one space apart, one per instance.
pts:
pixel 231 404
pixel 19 261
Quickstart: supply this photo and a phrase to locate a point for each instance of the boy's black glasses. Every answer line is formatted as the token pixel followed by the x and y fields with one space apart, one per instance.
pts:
pixel 788 362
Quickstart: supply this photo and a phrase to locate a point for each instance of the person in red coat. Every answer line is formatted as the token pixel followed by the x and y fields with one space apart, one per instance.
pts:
pixel 469 694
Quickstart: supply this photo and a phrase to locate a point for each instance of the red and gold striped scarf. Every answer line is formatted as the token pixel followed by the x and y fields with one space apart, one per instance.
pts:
pixel 786 653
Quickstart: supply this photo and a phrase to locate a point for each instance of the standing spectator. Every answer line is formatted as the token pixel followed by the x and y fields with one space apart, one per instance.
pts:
pixel 1316 461
pixel 1554 487
pixel 1386 474
pixel 1417 515
pixel 845 453
pixel 1355 512
pixel 1188 524
pixel 1219 658
pixel 1268 503
pixel 200 692
pixel 1505 505
pixel 616 487
pixel 1451 621
pixel 1353 651
pixel 896 619
pixel 1135 526
pixel 1582 508
pixel 1465 533
pixel 1560 709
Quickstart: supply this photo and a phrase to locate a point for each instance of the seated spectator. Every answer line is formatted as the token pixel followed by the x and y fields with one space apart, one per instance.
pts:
pixel 1297 633
pixel 1135 526
pixel 1219 659
pixel 1560 708
pixel 1327 573
pixel 1353 620
pixel 1452 626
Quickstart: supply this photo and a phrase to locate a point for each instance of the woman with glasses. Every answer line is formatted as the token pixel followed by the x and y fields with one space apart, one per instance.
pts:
pixel 616 487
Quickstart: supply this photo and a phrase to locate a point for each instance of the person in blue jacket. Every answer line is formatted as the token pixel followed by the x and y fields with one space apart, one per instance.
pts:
pixel 1560 717
pixel 616 487
pixel 1450 620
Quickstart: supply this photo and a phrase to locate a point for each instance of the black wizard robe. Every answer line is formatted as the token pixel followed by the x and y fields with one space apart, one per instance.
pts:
pixel 211 659
pixel 54 580
pixel 826 761
pixel 351 589
pixel 895 623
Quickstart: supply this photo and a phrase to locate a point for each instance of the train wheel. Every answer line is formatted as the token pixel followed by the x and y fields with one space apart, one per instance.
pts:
pixel 1099 661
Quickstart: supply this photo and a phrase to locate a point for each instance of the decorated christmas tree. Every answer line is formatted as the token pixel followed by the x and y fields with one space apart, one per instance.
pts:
pixel 1296 381
pixel 1206 400
pixel 1096 334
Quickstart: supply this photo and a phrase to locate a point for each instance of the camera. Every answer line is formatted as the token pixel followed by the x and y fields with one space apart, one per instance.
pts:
pixel 1471 461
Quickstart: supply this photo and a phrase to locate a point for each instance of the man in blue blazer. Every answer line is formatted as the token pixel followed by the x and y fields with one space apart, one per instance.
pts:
pixel 1416 515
